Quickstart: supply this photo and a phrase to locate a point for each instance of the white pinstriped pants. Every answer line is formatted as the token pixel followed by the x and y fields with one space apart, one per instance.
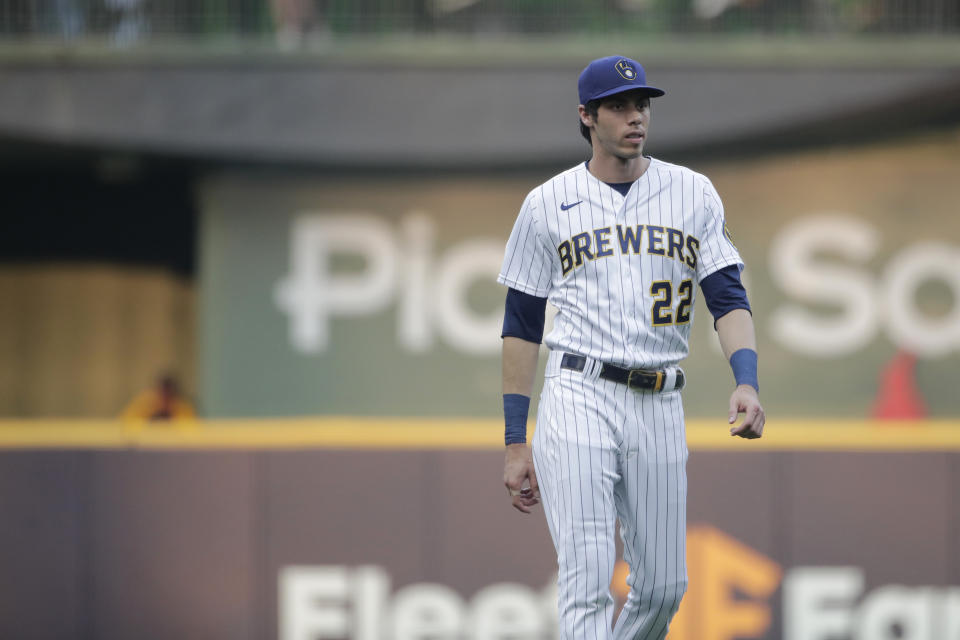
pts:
pixel 602 452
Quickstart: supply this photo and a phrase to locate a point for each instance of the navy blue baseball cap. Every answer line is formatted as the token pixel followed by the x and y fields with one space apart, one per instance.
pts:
pixel 613 74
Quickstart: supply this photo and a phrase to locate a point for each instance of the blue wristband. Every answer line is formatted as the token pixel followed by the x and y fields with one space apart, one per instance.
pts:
pixel 515 410
pixel 744 365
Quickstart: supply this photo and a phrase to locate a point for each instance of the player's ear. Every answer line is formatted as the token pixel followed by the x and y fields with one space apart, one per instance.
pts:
pixel 585 116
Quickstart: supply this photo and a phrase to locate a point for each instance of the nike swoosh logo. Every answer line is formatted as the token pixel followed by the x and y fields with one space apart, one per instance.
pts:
pixel 564 206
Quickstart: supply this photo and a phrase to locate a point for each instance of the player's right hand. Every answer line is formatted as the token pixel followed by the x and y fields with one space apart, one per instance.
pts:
pixel 520 478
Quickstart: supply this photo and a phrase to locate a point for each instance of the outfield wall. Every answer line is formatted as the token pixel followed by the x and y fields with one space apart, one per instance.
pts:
pixel 373 529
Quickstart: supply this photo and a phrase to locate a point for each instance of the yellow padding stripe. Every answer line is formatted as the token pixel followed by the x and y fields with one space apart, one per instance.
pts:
pixel 337 432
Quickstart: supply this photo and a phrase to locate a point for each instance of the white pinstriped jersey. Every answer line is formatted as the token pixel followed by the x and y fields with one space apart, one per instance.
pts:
pixel 622 270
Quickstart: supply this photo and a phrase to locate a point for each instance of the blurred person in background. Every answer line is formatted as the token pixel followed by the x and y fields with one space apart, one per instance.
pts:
pixel 131 19
pixel 62 17
pixel 297 22
pixel 163 401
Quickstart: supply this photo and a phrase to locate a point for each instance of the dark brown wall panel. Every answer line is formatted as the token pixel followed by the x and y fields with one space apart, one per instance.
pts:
pixel 178 544
pixel 484 539
pixel 43 545
pixel 172 545
pixel 737 490
pixel 888 512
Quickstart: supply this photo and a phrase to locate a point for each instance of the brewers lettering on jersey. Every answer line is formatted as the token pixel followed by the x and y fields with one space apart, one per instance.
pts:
pixel 620 245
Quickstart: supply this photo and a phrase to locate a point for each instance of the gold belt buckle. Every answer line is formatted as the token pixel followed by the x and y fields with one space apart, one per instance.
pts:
pixel 658 385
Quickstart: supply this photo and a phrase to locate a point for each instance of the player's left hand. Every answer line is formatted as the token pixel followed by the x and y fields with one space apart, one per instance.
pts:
pixel 745 400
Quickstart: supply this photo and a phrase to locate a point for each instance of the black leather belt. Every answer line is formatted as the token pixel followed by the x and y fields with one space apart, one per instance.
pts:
pixel 633 378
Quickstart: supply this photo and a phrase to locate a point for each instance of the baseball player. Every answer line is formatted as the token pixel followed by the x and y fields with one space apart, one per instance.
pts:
pixel 619 245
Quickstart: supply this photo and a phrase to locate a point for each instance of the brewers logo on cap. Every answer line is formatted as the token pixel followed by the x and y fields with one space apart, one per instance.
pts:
pixel 612 75
pixel 625 69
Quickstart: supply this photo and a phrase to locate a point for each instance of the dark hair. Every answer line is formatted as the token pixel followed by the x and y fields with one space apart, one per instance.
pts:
pixel 592 107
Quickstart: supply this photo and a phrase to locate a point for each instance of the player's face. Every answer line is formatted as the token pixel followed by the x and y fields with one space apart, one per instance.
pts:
pixel 620 126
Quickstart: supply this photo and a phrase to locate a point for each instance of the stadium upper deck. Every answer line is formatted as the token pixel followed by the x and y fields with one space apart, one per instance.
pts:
pixel 290 23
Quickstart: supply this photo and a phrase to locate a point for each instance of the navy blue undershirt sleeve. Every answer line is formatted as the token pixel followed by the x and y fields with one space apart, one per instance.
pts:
pixel 523 316
pixel 723 292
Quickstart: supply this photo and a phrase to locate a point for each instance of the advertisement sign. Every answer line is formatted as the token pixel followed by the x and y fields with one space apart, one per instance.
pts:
pixel 376 295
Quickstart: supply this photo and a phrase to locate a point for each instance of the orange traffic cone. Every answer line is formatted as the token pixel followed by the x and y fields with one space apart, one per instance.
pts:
pixel 898 397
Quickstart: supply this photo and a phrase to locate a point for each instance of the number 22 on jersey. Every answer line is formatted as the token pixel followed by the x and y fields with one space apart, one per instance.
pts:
pixel 662 313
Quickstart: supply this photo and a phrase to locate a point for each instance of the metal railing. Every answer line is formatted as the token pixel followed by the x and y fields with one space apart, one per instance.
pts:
pixel 290 21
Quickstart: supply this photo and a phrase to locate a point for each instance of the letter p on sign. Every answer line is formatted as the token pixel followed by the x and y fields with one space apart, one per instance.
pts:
pixel 311 293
